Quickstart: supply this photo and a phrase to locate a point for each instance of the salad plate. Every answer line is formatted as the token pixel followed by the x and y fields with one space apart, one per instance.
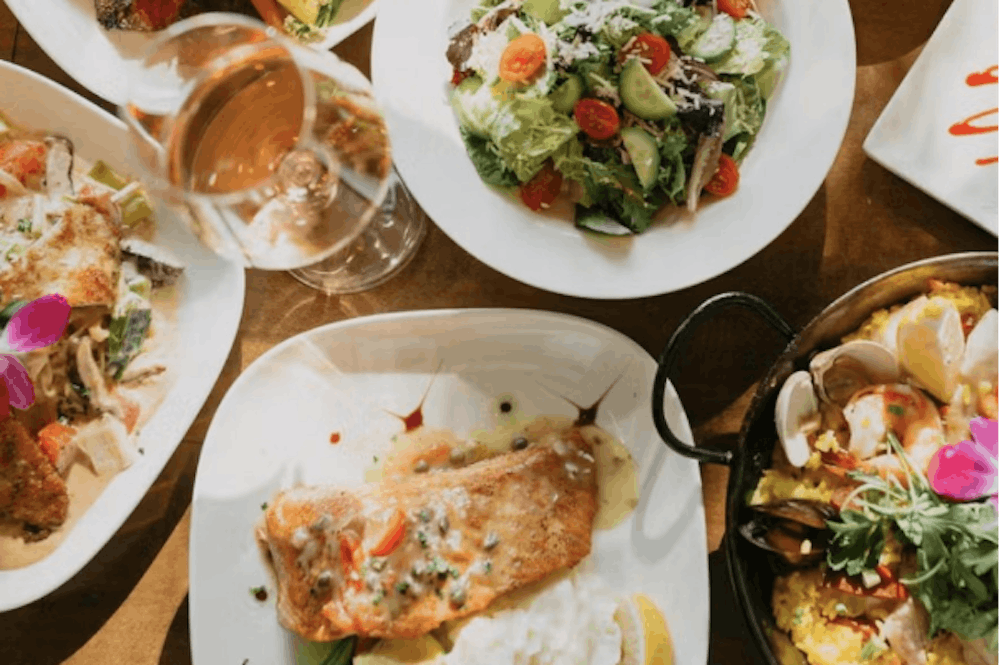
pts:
pixel 101 60
pixel 806 118
pixel 208 311
pixel 938 131
pixel 318 409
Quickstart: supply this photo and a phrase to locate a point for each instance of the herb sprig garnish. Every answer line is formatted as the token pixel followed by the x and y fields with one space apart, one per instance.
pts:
pixel 956 547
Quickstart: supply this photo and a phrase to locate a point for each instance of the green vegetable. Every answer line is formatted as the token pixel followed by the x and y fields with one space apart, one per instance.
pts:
pixel 644 154
pixel 956 548
pixel 127 333
pixel 24 225
pixel 106 175
pixel 342 652
pixel 531 132
pixel 744 115
pixel 544 10
pixel 328 13
pixel 486 158
pixel 756 45
pixel 717 41
pixel 474 105
pixel 135 209
pixel 673 18
pixel 565 97
pixel 642 95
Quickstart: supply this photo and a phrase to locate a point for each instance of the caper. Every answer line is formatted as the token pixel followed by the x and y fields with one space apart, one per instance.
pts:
pixel 421 466
pixel 324 579
pixel 520 443
pixel 457 455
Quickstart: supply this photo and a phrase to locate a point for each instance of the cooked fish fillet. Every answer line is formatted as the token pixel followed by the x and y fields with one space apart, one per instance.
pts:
pixel 79 258
pixel 31 490
pixel 398 558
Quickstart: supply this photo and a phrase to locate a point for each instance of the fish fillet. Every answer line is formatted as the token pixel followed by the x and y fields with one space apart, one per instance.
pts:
pixel 31 490
pixel 398 558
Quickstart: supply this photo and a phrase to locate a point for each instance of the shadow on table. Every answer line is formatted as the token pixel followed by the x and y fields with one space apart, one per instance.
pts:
pixel 730 641
pixel 177 645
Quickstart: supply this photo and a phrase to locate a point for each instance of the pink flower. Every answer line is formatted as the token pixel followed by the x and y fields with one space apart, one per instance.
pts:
pixel 967 470
pixel 37 324
pixel 16 388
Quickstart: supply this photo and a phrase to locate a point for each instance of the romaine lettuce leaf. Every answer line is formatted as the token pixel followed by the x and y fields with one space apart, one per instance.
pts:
pixel 744 115
pixel 486 158
pixel 529 131
pixel 673 18
pixel 672 175
pixel 474 106
pixel 757 43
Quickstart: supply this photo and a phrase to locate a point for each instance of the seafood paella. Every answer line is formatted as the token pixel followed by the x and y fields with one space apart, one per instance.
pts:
pixel 881 501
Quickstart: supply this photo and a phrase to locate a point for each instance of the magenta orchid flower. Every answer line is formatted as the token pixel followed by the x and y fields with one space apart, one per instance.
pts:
pixel 31 326
pixel 967 470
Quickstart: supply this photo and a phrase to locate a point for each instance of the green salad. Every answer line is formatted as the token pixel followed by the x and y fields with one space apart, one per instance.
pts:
pixel 625 106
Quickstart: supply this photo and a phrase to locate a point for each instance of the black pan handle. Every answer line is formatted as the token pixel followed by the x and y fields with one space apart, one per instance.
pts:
pixel 678 344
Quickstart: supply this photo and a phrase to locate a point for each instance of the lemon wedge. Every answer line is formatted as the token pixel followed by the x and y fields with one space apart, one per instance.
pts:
pixel 645 637
pixel 394 652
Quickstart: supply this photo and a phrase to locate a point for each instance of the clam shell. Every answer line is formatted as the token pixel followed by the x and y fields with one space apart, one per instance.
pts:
pixel 980 360
pixel 795 415
pixel 844 370
pixel 930 346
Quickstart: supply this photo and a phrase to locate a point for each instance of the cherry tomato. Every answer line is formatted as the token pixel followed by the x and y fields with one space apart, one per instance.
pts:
pixel 542 189
pixel 25 160
pixel 735 8
pixel 598 119
pixel 522 58
pixel 653 49
pixel 726 177
pixel 460 75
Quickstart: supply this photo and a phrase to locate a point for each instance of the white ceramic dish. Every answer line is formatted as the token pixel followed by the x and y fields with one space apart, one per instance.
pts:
pixel 274 428
pixel 101 60
pixel 211 304
pixel 912 137
pixel 805 124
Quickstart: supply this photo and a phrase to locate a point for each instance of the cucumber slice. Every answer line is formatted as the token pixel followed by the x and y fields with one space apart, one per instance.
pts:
pixel 717 41
pixel 642 95
pixel 565 97
pixel 598 222
pixel 644 153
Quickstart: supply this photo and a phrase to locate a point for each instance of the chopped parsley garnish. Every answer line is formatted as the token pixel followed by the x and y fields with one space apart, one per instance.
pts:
pixel 872 648
pixel 425 515
pixel 24 225
pixel 375 459
pixel 799 614
pixel 453 571
pixel 955 543
pixel 422 537
pixel 402 587
pixel 488 567
pixel 379 595
pixel 263 506
pixel 327 13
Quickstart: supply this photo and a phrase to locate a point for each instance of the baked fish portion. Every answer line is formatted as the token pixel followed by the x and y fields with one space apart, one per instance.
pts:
pixel 398 558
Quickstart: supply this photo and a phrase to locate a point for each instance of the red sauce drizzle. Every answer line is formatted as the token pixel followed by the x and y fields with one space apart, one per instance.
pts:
pixel 335 437
pixel 416 417
pixel 966 127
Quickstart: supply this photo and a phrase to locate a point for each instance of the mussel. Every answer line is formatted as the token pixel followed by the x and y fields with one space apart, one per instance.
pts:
pixel 794 529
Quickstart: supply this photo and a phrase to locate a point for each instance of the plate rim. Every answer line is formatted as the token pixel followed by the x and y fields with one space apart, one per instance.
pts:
pixel 34 24
pixel 641 286
pixel 444 314
pixel 12 600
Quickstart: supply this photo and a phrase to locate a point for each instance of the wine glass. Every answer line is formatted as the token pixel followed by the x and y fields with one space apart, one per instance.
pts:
pixel 274 155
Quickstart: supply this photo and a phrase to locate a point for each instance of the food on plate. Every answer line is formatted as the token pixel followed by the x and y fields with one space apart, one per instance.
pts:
pixel 625 107
pixel 308 20
pixel 881 501
pixel 466 551
pixel 150 15
pixel 84 232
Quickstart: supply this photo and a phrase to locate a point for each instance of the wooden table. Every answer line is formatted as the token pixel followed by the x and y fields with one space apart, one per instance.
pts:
pixel 129 605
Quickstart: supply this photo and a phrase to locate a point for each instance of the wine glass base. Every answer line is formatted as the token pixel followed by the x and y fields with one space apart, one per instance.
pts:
pixel 383 249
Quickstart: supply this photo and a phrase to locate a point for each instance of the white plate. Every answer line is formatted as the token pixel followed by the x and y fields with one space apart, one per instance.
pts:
pixel 211 304
pixel 274 427
pixel 101 60
pixel 806 121
pixel 911 138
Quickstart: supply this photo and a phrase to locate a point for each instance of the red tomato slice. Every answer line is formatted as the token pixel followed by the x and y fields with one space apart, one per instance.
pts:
pixel 598 119
pixel 726 178
pixel 735 8
pixel 542 189
pixel 460 75
pixel 652 49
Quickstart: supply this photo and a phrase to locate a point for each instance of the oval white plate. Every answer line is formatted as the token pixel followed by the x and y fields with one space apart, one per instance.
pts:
pixel 805 124
pixel 274 427
pixel 211 304
pixel 101 60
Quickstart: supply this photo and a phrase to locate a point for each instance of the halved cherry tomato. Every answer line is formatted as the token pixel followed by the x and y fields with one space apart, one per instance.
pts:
pixel 53 438
pixel 598 119
pixel 888 588
pixel 735 8
pixel 652 49
pixel 460 75
pixel 542 189
pixel 522 58
pixel 726 178
pixel 25 160
pixel 392 536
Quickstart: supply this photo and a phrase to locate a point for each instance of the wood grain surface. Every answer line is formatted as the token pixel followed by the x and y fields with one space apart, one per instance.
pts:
pixel 129 605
